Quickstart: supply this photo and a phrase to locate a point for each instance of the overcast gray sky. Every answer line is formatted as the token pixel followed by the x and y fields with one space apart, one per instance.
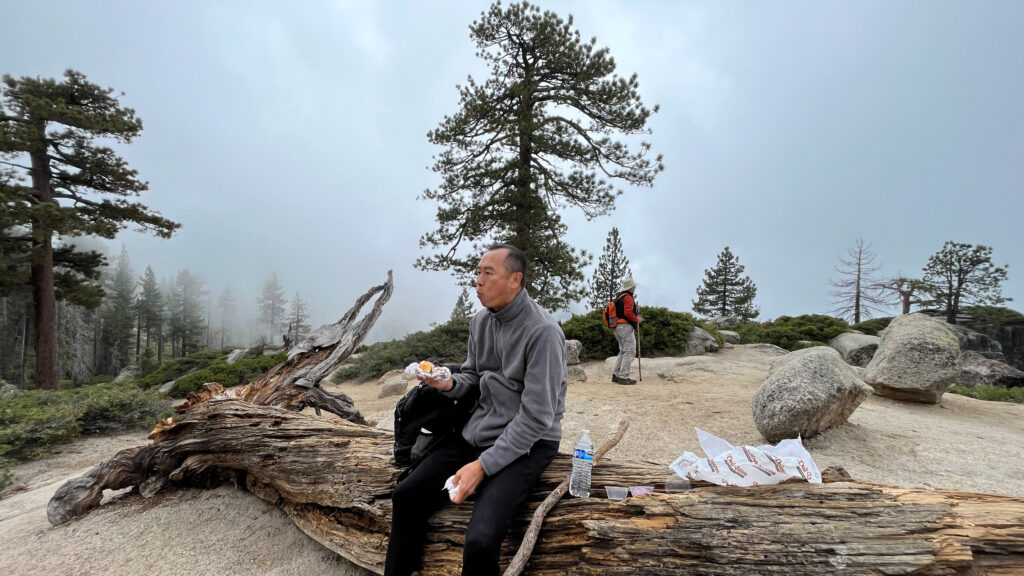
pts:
pixel 290 137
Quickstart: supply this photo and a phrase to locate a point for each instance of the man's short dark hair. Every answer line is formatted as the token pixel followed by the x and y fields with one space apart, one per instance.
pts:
pixel 515 260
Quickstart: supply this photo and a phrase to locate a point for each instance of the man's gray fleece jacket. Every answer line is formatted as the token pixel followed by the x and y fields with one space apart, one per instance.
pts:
pixel 517 358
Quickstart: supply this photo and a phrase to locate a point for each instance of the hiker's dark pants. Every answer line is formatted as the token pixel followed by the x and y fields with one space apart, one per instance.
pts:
pixel 496 503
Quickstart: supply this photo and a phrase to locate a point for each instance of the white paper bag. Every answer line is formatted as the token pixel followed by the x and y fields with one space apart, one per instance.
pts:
pixel 728 465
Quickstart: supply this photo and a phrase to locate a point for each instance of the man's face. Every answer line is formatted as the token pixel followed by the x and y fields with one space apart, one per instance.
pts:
pixel 495 287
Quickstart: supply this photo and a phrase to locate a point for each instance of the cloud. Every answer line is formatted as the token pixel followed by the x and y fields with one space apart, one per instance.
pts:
pixel 266 61
pixel 361 22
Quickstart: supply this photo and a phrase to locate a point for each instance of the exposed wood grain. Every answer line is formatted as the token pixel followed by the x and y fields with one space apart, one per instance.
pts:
pixel 335 479
pixel 522 556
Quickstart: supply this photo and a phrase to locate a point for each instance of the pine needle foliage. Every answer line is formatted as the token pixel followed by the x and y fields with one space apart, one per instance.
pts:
pixel 271 304
pixel 612 267
pixel 539 135
pixel 960 275
pixel 463 306
pixel 724 292
pixel 57 178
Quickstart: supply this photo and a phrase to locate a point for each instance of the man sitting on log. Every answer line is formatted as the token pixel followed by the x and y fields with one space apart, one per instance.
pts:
pixel 517 358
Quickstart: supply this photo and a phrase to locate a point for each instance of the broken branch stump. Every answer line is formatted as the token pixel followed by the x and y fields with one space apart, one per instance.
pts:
pixel 335 479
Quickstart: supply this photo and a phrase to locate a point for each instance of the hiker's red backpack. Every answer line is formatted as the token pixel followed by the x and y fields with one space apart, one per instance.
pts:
pixel 610 313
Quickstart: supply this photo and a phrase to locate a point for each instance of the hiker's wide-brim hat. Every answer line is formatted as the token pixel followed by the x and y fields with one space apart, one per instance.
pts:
pixel 627 284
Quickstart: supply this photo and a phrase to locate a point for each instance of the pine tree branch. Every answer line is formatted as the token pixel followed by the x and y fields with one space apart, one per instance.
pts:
pixel 28 168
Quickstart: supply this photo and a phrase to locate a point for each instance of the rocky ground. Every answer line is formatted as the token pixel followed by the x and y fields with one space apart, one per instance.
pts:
pixel 960 444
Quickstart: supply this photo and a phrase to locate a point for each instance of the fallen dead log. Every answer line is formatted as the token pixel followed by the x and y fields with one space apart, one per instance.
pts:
pixel 295 383
pixel 334 478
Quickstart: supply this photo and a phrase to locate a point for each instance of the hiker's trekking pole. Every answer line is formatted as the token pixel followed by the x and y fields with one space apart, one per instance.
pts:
pixel 639 366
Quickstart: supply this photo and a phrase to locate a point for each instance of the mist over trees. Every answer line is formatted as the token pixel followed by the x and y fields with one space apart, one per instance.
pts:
pixel 298 319
pixel 539 135
pixel 226 310
pixel 58 180
pixel 139 319
pixel 272 306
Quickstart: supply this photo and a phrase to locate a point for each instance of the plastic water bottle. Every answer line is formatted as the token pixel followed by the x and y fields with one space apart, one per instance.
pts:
pixel 582 463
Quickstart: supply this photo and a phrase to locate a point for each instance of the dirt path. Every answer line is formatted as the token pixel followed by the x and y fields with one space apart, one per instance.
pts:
pixel 961 444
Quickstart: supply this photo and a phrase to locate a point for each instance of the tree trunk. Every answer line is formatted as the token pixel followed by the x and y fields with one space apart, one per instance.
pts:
pixel 138 335
pixel 43 294
pixel 334 478
pixel 25 331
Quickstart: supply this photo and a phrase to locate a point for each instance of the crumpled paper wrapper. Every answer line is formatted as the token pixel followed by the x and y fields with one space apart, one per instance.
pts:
pixel 439 372
pixel 728 465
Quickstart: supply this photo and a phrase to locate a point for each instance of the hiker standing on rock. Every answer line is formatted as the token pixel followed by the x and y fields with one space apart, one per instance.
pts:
pixel 516 357
pixel 625 308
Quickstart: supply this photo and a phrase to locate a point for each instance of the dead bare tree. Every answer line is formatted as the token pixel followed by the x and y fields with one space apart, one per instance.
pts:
pixel 856 293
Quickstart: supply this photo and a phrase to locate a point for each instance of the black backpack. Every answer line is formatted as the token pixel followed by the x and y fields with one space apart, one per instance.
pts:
pixel 424 417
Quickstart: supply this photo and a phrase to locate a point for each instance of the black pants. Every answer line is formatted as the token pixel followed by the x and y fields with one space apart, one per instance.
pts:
pixel 497 501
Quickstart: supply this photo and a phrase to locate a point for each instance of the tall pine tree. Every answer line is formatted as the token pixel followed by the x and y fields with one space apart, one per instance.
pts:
pixel 117 312
pixel 64 182
pixel 612 267
pixel 539 135
pixel 74 340
pixel 150 306
pixel 298 319
pixel 960 275
pixel 226 311
pixel 463 306
pixel 187 325
pixel 272 306
pixel 724 292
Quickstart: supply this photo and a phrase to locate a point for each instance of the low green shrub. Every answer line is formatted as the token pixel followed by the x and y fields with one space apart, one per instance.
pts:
pixel 172 369
pixel 444 344
pixel 147 362
pixel 663 333
pixel 99 379
pixel 750 332
pixel 35 420
pixel 790 332
pixel 6 476
pixel 597 339
pixel 241 372
pixel 995 315
pixel 994 393
pixel 872 327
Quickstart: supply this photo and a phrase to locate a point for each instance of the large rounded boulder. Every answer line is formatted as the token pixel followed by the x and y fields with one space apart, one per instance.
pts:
pixel 918 359
pixel 856 349
pixel 977 370
pixel 807 392
pixel 700 341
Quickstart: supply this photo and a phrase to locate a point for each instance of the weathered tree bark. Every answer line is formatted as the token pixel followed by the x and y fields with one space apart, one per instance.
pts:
pixel 295 383
pixel 334 478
